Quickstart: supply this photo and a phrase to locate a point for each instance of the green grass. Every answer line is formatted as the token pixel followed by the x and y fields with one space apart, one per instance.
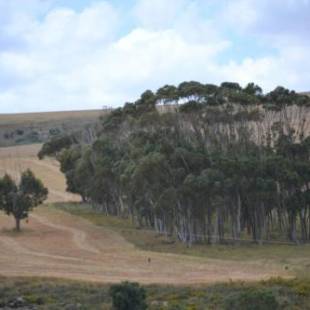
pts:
pixel 292 256
pixel 60 294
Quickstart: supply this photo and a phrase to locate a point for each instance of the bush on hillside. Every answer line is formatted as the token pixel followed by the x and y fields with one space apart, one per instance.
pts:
pixel 128 296
pixel 252 299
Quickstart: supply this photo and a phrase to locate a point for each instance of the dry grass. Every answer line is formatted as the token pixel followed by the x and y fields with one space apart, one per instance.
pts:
pixel 306 93
pixel 60 245
pixel 14 160
pixel 29 128
pixel 34 118
pixel 57 244
pixel 290 257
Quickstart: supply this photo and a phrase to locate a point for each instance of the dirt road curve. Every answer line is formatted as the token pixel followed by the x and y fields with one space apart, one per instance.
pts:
pixel 57 244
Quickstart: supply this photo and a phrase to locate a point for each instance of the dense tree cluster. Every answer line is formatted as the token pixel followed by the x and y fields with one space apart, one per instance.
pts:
pixel 56 145
pixel 204 163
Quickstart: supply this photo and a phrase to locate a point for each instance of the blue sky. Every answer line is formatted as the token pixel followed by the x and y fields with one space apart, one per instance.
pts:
pixel 74 54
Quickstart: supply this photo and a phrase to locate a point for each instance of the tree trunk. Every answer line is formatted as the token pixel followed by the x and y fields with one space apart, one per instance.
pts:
pixel 209 227
pixel 17 224
pixel 292 228
pixel 220 225
pixel 303 225
pixel 236 220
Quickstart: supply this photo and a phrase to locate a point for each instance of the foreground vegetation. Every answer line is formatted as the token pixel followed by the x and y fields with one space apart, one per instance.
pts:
pixel 58 294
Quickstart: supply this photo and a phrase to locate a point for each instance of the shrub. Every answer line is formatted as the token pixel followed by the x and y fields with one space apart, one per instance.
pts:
pixel 128 296
pixel 252 299
pixel 19 132
pixel 54 131
pixel 303 289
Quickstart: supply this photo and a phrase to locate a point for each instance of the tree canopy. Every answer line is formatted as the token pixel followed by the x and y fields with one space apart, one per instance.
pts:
pixel 19 199
pixel 204 163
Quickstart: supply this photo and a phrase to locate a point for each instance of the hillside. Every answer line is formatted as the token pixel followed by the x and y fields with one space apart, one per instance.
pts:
pixel 14 160
pixel 104 253
pixel 57 244
pixel 16 129
pixel 29 128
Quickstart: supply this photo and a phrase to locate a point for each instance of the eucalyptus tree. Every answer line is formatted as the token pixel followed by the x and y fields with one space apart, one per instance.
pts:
pixel 19 199
pixel 224 163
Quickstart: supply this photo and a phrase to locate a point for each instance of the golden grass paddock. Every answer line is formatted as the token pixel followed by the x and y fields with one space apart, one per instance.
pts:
pixel 57 244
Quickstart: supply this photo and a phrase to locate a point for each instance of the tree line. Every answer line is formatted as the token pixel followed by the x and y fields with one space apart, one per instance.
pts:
pixel 204 163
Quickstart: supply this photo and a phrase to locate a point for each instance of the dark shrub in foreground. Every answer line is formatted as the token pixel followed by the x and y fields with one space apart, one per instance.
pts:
pixel 252 299
pixel 128 296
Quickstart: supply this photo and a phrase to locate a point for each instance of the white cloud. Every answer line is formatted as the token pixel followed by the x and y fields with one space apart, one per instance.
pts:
pixel 63 27
pixel 57 49
pixel 240 14
pixel 271 19
pixel 159 14
pixel 58 58
pixel 75 60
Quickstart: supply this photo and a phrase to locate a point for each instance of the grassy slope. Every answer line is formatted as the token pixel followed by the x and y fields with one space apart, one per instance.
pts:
pixel 306 93
pixel 16 129
pixel 14 160
pixel 291 257
pixel 34 118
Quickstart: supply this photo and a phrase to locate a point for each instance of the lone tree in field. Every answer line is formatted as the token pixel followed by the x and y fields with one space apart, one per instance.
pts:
pixel 19 199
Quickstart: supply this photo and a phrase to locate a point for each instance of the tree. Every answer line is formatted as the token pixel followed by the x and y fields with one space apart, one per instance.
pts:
pixel 253 89
pixel 55 145
pixel 226 163
pixel 167 94
pixel 19 199
pixel 232 86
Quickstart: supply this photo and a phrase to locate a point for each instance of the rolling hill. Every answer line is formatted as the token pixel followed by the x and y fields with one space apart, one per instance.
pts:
pixel 28 128
pixel 56 244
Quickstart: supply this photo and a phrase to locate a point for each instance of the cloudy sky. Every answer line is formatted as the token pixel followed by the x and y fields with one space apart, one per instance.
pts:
pixel 80 54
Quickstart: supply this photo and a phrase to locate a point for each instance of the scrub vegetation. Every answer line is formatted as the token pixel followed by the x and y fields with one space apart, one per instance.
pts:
pixel 59 294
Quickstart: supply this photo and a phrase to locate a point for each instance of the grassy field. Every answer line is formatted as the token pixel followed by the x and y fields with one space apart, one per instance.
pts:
pixel 43 117
pixel 57 244
pixel 306 93
pixel 290 257
pixel 60 294
pixel 84 245
pixel 28 128
pixel 14 160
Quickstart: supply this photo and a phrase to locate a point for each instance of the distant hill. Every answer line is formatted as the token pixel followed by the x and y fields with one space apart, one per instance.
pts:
pixel 16 129
pixel 306 93
pixel 29 128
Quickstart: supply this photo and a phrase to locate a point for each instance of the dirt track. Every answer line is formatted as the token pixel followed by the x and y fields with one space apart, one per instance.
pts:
pixel 57 244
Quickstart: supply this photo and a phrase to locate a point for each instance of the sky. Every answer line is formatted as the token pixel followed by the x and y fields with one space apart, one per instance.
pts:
pixel 83 54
